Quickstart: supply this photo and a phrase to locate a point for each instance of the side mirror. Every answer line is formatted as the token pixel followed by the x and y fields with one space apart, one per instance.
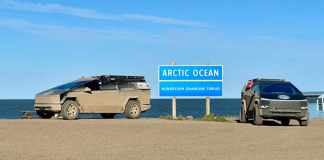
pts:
pixel 87 89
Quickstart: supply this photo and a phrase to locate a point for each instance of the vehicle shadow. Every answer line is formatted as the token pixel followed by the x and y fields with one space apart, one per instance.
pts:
pixel 269 123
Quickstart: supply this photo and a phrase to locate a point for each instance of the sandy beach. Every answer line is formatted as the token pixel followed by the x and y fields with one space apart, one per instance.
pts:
pixel 158 139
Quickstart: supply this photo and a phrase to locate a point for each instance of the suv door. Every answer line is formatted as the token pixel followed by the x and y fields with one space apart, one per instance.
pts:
pixel 251 96
pixel 254 96
pixel 247 97
pixel 110 96
pixel 91 101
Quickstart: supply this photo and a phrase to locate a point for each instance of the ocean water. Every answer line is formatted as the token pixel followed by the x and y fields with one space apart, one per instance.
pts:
pixel 10 109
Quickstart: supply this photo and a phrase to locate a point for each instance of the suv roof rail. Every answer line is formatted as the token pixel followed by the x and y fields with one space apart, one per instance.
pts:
pixel 269 80
pixel 118 78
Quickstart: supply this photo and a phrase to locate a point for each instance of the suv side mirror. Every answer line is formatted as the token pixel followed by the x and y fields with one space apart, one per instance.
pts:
pixel 87 89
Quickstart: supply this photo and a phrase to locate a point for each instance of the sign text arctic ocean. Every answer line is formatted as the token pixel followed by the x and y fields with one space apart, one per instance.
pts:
pixel 191 80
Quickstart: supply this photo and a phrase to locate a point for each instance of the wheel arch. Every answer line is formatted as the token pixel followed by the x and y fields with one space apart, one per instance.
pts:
pixel 135 98
pixel 75 99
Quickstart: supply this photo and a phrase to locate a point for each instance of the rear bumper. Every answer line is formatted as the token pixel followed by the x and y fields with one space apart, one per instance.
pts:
pixel 284 114
pixel 47 107
pixel 145 107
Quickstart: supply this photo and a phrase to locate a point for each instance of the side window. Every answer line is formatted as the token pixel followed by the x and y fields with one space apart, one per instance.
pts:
pixel 94 86
pixel 79 89
pixel 256 88
pixel 125 86
pixel 109 86
pixel 247 90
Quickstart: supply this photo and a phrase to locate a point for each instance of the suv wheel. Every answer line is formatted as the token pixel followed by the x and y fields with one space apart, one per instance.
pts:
pixel 242 115
pixel 304 122
pixel 45 115
pixel 132 110
pixel 70 110
pixel 107 115
pixel 257 120
pixel 285 122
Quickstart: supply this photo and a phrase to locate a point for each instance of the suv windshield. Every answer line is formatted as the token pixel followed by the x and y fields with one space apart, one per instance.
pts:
pixel 278 88
pixel 69 85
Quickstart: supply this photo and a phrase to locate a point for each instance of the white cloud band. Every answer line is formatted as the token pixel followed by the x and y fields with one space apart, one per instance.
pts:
pixel 89 13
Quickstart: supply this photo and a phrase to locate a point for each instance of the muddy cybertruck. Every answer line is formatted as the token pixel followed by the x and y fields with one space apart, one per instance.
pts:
pixel 107 95
pixel 273 99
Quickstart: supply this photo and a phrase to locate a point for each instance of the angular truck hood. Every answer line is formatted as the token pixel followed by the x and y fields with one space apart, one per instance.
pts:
pixel 49 96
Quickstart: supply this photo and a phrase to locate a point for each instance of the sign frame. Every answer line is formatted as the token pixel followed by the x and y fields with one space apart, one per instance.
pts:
pixel 192 80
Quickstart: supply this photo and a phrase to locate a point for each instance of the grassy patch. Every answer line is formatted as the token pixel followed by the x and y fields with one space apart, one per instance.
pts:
pixel 171 118
pixel 211 117
pixel 214 118
pixel 232 118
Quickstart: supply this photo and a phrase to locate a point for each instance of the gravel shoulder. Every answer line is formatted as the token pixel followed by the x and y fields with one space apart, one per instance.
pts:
pixel 158 139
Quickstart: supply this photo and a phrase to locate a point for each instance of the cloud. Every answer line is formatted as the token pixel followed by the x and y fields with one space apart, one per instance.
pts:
pixel 162 20
pixel 76 35
pixel 89 13
pixel 200 39
pixel 258 32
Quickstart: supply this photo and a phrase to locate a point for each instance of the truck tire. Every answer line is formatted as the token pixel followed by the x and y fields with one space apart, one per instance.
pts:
pixel 242 115
pixel 304 122
pixel 45 115
pixel 285 122
pixel 70 110
pixel 107 115
pixel 132 109
pixel 257 120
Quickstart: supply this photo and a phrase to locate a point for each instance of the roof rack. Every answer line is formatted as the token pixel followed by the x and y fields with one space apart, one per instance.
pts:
pixel 268 80
pixel 118 78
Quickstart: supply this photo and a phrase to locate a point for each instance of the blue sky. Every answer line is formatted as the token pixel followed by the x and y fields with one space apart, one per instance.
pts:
pixel 47 43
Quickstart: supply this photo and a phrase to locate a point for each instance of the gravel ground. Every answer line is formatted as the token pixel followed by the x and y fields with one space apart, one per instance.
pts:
pixel 158 139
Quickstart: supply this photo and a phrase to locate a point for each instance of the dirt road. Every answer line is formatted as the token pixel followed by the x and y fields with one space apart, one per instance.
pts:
pixel 158 139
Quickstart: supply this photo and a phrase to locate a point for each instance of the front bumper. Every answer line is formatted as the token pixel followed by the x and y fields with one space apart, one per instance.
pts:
pixel 145 107
pixel 284 113
pixel 47 107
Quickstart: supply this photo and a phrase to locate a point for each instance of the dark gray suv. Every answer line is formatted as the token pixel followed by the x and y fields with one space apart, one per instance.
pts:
pixel 273 99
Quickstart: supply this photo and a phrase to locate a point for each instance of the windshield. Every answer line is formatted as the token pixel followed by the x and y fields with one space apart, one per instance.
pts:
pixel 69 85
pixel 278 88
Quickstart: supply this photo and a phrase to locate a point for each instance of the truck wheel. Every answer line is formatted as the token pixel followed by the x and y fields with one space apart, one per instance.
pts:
pixel 257 120
pixel 70 110
pixel 304 122
pixel 285 122
pixel 132 110
pixel 107 115
pixel 242 115
pixel 45 115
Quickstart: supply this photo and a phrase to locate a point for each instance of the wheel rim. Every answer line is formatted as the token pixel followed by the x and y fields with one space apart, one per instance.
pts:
pixel 134 109
pixel 71 110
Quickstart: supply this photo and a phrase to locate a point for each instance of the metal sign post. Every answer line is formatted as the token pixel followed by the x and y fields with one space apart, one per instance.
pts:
pixel 207 101
pixel 174 102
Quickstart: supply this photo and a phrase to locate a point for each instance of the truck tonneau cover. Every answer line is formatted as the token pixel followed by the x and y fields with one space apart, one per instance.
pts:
pixel 118 78
pixel 268 80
